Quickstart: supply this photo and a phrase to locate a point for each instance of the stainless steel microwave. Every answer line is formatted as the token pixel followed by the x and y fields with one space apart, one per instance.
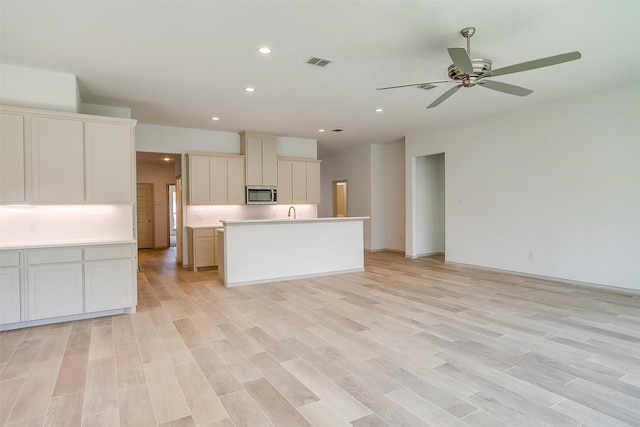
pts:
pixel 261 195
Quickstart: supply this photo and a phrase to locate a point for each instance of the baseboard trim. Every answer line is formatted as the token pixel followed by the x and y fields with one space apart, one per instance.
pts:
pixel 290 278
pixel 424 255
pixel 617 289
pixel 397 251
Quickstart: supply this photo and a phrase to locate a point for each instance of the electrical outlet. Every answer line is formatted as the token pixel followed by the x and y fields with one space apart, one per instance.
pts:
pixel 531 255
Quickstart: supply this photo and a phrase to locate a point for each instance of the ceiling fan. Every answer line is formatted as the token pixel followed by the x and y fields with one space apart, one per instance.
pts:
pixel 469 72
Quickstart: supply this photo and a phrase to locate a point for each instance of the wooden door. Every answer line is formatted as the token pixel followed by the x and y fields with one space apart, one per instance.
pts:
pixel 145 223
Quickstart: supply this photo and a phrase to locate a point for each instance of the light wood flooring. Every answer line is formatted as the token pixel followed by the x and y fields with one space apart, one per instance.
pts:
pixel 406 343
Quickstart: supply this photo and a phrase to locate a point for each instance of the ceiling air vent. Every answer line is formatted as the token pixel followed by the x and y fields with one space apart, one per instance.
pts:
pixel 337 130
pixel 320 62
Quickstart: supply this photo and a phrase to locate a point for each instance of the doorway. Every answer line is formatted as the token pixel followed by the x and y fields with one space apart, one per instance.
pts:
pixel 145 222
pixel 429 230
pixel 173 214
pixel 340 198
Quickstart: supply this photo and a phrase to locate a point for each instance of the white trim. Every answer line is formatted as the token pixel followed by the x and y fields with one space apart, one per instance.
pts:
pixel 549 278
pixel 30 323
pixel 289 278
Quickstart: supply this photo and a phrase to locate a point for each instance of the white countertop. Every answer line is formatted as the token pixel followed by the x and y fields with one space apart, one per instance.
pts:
pixel 217 226
pixel 291 220
pixel 62 243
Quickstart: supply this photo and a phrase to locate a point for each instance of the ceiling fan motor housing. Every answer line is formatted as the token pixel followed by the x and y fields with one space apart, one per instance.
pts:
pixel 481 67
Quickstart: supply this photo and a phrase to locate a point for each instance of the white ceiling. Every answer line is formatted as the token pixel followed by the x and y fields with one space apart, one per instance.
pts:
pixel 179 63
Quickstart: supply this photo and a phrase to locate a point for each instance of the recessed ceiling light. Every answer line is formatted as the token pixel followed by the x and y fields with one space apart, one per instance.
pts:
pixel 379 110
pixel 320 130
pixel 166 159
pixel 249 89
pixel 264 50
pixel 215 118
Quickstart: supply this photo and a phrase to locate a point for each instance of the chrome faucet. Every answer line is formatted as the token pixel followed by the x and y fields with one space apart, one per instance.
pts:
pixel 294 212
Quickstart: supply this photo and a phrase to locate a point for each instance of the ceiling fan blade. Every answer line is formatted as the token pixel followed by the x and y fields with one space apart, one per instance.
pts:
pixel 415 84
pixel 461 59
pixel 506 88
pixel 537 63
pixel 444 96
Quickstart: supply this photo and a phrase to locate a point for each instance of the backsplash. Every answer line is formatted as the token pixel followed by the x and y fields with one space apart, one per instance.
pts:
pixel 61 224
pixel 211 215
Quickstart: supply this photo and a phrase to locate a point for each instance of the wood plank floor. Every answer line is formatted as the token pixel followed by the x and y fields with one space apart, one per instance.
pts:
pixel 406 343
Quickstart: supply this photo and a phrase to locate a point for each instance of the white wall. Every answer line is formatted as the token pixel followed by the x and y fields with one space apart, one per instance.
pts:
pixel 160 175
pixel 429 221
pixel 375 188
pixel 32 88
pixel 170 139
pixel 354 166
pixel 394 203
pixel 561 180
pixel 104 110
pixel 378 201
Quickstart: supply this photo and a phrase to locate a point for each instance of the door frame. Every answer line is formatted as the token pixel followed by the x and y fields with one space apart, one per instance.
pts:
pixel 335 196
pixel 150 212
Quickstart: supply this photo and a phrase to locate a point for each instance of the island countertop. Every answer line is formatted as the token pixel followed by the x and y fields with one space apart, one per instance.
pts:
pixel 291 220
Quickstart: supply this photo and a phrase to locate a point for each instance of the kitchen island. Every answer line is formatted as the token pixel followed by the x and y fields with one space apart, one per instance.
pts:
pixel 260 251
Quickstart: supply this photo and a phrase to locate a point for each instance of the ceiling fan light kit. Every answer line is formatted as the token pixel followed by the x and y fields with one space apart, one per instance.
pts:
pixel 467 72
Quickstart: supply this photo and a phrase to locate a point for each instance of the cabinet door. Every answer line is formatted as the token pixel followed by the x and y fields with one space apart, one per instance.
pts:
pixel 284 182
pixel 57 158
pixel 313 182
pixel 253 151
pixel 218 177
pixel 54 290
pixel 11 158
pixel 108 162
pixel 204 251
pixel 269 161
pixel 108 284
pixel 199 190
pixel 299 182
pixel 9 295
pixel 235 181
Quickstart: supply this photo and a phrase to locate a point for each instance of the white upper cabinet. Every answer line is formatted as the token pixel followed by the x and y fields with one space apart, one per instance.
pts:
pixel 313 182
pixel 199 182
pixel 216 179
pixel 298 181
pixel 50 157
pixel 57 159
pixel 12 188
pixel 261 154
pixel 235 180
pixel 108 162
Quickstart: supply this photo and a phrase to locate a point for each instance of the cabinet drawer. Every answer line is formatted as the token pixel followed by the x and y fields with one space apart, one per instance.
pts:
pixel 108 252
pixel 203 232
pixel 9 258
pixel 53 256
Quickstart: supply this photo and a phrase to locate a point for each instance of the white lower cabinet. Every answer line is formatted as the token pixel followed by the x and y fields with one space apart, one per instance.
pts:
pixel 108 284
pixel 54 290
pixel 108 272
pixel 10 287
pixel 58 284
pixel 201 247
pixel 54 282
